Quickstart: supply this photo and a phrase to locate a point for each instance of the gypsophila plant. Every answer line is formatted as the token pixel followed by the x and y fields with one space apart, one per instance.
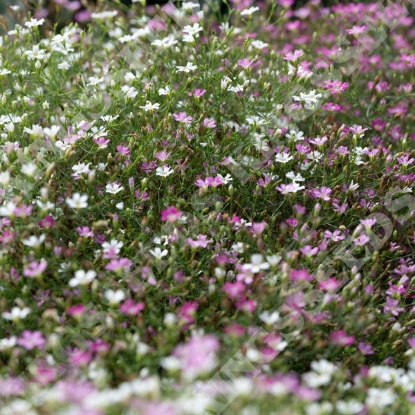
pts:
pixel 208 217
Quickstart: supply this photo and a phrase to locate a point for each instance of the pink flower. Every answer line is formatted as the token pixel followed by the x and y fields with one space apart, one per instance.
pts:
pixel 361 240
pixel 171 214
pixel 365 348
pixel 80 357
pixel 76 310
pixel 197 93
pixel 198 355
pixel 32 339
pixel 35 269
pixel 183 117
pixel 391 306
pixel 356 30
pixel 209 123
pixel 245 63
pixel 187 311
pixel 117 265
pixel 201 241
pixel 292 57
pixel 130 308
pixel 340 338
pixel 101 142
pixel 322 193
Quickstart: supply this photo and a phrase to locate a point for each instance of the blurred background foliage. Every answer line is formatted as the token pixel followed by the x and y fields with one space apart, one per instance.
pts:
pixel 63 12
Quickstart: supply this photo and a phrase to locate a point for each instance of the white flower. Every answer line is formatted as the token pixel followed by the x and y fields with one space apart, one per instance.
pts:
pixel 129 91
pixel 8 343
pixel 269 318
pixel 16 314
pixel 227 179
pixel 309 100
pixel 256 264
pixel 189 67
pixel 62 145
pixel 34 22
pixel 239 247
pixel 150 107
pixel 274 259
pixel 260 145
pixel 314 155
pixel 113 244
pixel 34 241
pixel 283 158
pixel 158 253
pixel 165 91
pixel 5 178
pixel 380 397
pixel 353 186
pixel 114 297
pixel 188 39
pixel 170 363
pixel 296 177
pixel 8 210
pixel 35 53
pixel 52 131
pixel 165 43
pixel 349 408
pixel 190 5
pixel 256 121
pixel 94 81
pixel 35 131
pixel 82 278
pixel 113 188
pixel 81 168
pixel 164 171
pixel 259 44
pixel 193 30
pixel 323 367
pixel 324 408
pixel 105 14
pixel 248 12
pixel 295 135
pixel 77 201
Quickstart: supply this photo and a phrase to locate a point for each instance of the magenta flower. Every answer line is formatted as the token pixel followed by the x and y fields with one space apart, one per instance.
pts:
pixel 182 117
pixel 197 93
pixel 31 339
pixel 35 269
pixel 76 310
pixel 171 214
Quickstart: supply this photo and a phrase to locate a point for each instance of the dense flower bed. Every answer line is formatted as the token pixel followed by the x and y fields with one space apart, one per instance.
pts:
pixel 203 217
